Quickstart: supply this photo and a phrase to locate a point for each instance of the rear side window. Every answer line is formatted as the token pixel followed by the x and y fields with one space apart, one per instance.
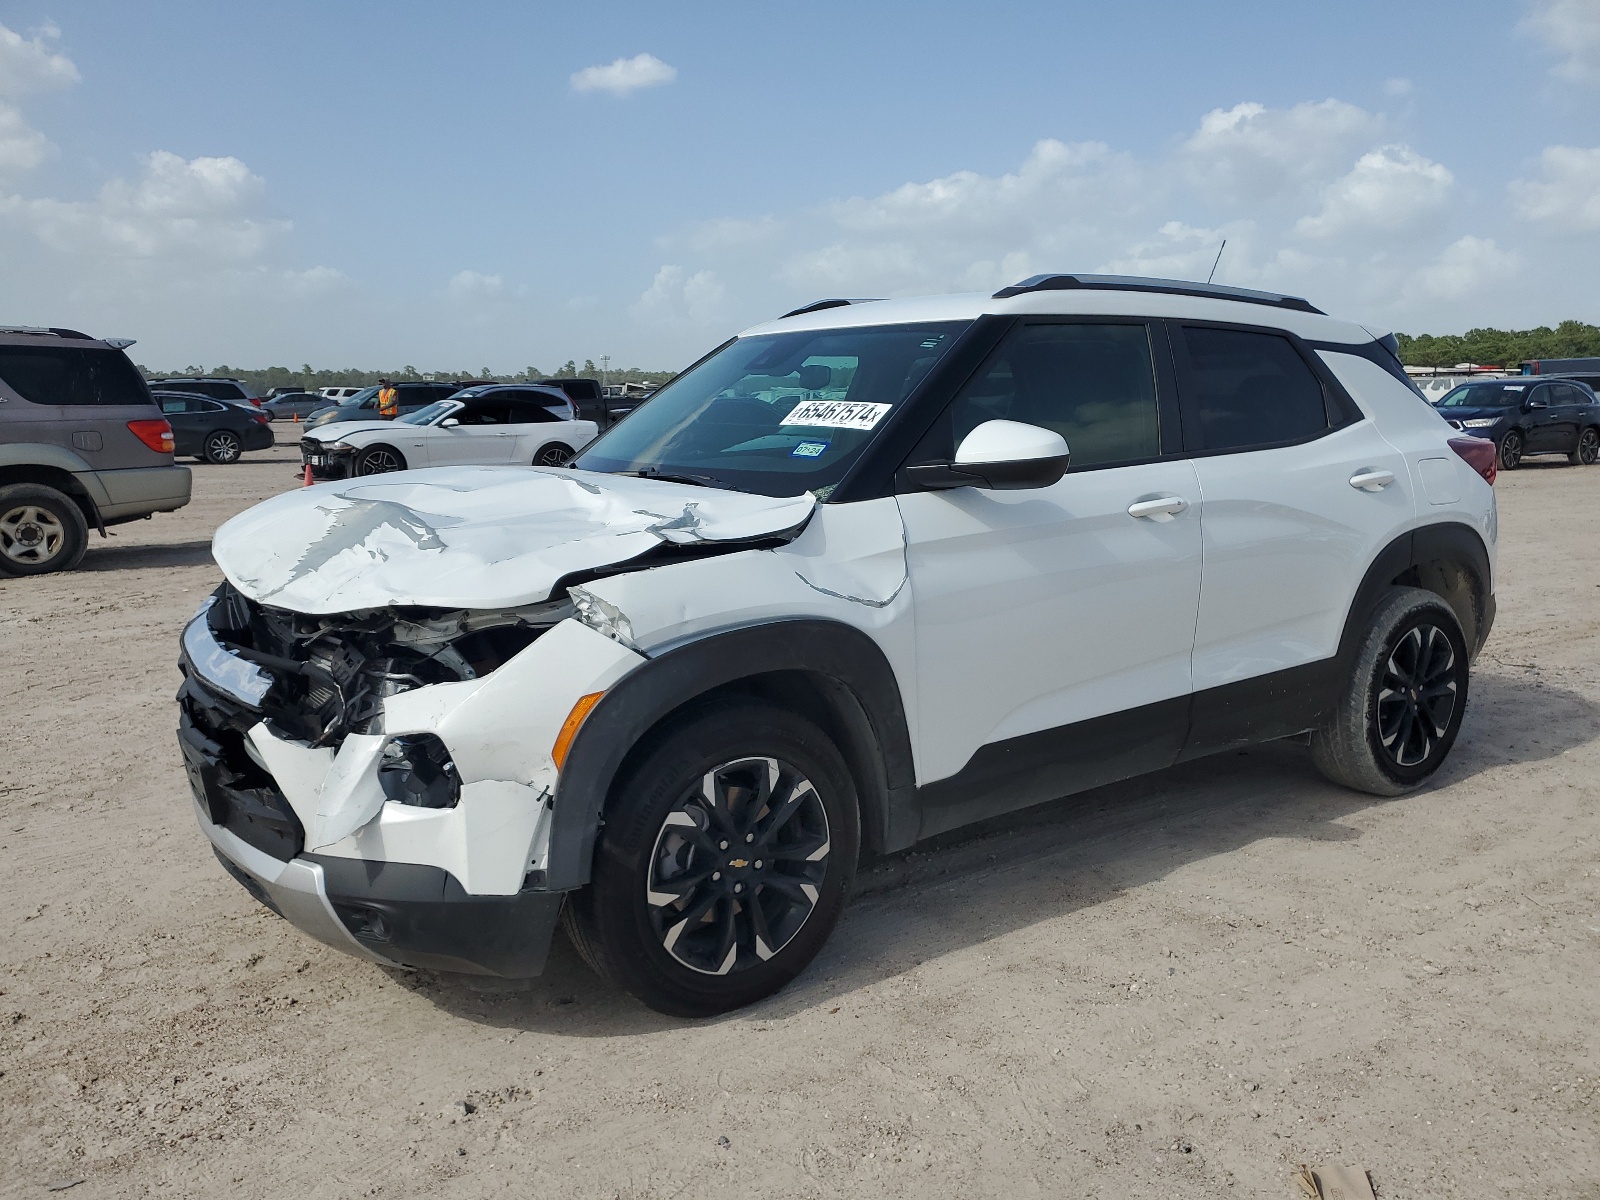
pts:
pixel 72 375
pixel 1248 389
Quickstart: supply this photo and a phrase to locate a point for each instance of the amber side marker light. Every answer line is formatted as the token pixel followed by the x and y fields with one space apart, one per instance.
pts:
pixel 569 727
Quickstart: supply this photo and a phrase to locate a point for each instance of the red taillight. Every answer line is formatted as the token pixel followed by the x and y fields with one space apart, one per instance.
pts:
pixel 1480 454
pixel 155 434
pixel 256 400
pixel 260 418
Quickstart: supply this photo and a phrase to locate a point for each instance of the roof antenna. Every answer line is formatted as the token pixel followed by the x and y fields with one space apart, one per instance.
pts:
pixel 1218 259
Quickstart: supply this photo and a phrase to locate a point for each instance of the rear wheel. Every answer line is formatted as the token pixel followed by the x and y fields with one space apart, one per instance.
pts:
pixel 379 460
pixel 1510 451
pixel 223 446
pixel 1587 451
pixel 1403 700
pixel 723 862
pixel 553 455
pixel 41 530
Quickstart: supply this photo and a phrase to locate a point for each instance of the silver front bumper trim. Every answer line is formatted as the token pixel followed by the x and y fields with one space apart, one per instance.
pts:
pixel 296 888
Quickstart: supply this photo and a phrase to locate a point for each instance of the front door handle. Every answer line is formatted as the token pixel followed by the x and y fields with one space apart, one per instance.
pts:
pixel 1372 481
pixel 1163 508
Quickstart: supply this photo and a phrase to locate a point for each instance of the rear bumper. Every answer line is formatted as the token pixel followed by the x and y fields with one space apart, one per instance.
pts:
pixel 137 491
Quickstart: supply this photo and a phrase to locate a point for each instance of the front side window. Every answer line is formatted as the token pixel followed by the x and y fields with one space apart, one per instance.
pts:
pixel 72 375
pixel 1093 383
pixel 1486 395
pixel 778 414
pixel 1249 389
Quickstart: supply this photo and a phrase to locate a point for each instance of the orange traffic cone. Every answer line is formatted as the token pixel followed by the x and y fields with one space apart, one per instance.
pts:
pixel 308 480
pixel 296 418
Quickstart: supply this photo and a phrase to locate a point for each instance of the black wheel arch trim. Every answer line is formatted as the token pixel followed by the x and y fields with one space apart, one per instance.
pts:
pixel 843 667
pixel 1449 541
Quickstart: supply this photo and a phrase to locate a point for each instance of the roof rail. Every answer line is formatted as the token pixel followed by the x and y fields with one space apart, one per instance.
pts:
pixel 40 329
pixel 1139 283
pixel 822 304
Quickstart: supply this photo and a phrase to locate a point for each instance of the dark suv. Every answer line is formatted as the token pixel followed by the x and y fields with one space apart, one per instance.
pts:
pixel 218 387
pixel 363 406
pixel 81 444
pixel 1528 415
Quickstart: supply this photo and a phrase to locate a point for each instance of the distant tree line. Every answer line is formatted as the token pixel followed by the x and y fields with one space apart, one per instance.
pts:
pixel 312 378
pixel 1500 347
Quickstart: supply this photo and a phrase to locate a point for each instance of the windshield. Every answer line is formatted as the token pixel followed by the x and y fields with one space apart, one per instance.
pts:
pixel 360 398
pixel 1485 395
pixel 778 414
pixel 427 416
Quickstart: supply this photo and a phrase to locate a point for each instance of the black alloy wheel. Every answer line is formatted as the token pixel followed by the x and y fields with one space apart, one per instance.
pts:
pixel 223 446
pixel 1587 452
pixel 553 455
pixel 379 460
pixel 737 865
pixel 1417 695
pixel 723 861
pixel 1510 451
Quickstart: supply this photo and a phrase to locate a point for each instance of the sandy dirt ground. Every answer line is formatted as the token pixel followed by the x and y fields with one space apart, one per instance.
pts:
pixel 1180 986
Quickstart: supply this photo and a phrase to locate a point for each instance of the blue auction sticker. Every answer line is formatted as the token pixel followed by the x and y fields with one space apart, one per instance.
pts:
pixel 808 450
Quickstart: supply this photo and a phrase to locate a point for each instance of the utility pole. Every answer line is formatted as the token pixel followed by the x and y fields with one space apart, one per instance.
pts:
pixel 605 363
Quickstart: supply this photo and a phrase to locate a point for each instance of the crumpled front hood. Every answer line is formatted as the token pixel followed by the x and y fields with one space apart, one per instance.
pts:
pixel 472 537
pixel 333 431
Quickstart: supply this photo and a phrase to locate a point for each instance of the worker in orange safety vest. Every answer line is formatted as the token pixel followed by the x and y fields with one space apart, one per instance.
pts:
pixel 388 400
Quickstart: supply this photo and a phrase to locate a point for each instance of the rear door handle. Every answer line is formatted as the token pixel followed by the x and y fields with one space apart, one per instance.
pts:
pixel 1163 508
pixel 1372 481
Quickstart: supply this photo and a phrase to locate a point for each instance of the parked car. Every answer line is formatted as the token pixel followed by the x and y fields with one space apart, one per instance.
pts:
pixel 82 445
pixel 363 406
pixel 338 394
pixel 863 575
pixel 218 387
pixel 1528 415
pixel 292 406
pixel 213 431
pixel 274 392
pixel 592 402
pixel 484 426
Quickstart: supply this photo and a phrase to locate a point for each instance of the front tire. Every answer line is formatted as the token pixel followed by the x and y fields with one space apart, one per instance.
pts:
pixel 1587 451
pixel 41 530
pixel 1511 448
pixel 223 447
pixel 1403 700
pixel 379 460
pixel 723 863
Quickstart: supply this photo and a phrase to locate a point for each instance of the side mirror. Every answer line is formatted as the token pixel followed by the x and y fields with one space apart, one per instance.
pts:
pixel 1001 455
pixel 1533 404
pixel 449 423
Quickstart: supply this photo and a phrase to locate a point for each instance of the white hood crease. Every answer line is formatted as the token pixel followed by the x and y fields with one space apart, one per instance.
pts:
pixel 473 537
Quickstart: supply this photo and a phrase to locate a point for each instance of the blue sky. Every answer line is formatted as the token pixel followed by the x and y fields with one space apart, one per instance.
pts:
pixel 377 184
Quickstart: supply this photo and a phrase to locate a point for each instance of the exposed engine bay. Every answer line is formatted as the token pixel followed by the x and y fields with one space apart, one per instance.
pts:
pixel 331 673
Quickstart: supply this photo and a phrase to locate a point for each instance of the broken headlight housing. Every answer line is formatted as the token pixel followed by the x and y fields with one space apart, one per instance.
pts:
pixel 418 770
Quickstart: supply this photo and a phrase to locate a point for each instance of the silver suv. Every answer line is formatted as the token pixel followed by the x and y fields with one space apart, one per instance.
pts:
pixel 81 444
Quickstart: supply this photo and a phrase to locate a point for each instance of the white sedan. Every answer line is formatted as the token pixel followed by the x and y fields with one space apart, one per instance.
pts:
pixel 477 427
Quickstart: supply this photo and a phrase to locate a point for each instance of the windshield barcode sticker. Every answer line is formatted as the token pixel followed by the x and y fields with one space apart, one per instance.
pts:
pixel 836 414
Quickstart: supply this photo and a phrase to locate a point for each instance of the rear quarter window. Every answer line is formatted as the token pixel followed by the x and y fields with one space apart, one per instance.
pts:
pixel 72 375
pixel 1248 389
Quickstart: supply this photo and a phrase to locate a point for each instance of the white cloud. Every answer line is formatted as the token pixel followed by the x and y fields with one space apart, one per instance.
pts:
pixel 1390 188
pixel 1568 197
pixel 27 65
pixel 1251 152
pixel 205 208
pixel 675 295
pixel 469 285
pixel 1398 87
pixel 1569 29
pixel 1465 268
pixel 21 147
pixel 624 75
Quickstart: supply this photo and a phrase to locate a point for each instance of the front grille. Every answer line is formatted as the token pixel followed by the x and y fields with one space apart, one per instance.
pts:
pixel 237 794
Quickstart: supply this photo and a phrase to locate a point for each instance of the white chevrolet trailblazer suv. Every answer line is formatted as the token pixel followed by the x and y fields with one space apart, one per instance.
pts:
pixel 860 576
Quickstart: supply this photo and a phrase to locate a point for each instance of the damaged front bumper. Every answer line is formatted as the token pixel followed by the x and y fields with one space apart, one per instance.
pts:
pixel 309 829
